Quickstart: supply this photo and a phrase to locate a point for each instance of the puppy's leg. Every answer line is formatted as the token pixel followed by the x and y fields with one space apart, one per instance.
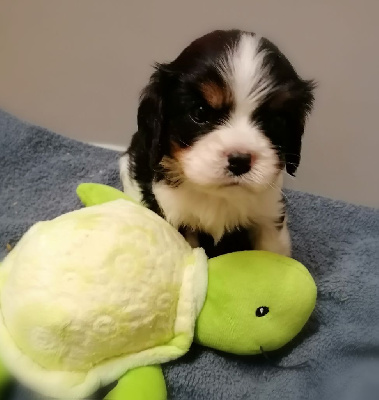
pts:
pixel 272 236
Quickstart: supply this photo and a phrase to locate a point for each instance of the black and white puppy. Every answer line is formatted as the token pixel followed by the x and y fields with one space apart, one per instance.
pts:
pixel 217 128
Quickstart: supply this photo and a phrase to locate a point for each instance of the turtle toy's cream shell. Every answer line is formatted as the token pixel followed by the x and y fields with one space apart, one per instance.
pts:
pixel 95 292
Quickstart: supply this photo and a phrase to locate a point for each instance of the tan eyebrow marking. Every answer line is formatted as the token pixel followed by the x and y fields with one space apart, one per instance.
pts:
pixel 215 95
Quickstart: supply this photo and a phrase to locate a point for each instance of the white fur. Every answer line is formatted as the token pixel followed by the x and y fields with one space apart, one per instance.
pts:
pixel 205 163
pixel 243 69
pixel 217 210
pixel 269 238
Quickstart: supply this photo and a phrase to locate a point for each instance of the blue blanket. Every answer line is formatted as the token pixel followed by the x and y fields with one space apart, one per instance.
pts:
pixel 338 242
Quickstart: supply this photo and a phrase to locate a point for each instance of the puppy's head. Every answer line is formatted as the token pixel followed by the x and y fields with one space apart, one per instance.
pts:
pixel 230 110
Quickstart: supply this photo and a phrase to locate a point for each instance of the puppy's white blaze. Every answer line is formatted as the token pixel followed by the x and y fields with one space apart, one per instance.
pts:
pixel 244 71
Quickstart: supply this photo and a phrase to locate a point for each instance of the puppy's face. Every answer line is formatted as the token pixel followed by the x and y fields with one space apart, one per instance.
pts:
pixel 229 111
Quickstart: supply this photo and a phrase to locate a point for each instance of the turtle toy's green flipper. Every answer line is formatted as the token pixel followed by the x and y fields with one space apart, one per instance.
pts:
pixel 4 380
pixel 92 194
pixel 143 383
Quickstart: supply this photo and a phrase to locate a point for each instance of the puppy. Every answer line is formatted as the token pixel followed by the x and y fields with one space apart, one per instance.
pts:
pixel 217 129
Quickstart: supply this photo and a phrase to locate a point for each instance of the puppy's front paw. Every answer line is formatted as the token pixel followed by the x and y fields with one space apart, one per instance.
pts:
pixel 270 238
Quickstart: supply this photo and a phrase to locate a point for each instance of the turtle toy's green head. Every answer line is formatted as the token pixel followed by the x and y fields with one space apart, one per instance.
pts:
pixel 255 301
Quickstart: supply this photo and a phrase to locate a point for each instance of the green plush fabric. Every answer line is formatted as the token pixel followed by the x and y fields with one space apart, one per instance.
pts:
pixel 241 283
pixel 92 194
pixel 144 383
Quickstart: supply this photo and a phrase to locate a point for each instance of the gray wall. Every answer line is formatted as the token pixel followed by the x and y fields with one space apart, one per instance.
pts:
pixel 77 67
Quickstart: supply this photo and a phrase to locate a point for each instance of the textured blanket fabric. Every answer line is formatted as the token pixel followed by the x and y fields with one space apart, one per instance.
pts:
pixel 338 242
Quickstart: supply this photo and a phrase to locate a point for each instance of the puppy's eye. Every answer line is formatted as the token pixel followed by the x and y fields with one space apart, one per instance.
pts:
pixel 200 114
pixel 262 311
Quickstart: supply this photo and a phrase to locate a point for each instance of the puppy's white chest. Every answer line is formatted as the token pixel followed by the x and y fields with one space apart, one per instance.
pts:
pixel 218 210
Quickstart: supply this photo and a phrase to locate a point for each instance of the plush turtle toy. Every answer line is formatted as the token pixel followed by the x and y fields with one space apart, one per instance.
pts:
pixel 111 291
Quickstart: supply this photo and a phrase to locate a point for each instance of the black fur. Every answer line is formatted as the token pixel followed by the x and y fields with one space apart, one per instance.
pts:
pixel 284 114
pixel 237 240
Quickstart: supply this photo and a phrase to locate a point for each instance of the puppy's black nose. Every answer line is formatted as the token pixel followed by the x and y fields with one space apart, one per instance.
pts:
pixel 239 163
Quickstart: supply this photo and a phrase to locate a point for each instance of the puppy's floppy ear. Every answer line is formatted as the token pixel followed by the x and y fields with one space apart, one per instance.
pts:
pixel 301 99
pixel 150 115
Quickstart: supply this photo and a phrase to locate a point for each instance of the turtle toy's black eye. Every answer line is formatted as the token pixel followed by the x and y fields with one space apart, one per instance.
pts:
pixel 262 311
pixel 200 114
